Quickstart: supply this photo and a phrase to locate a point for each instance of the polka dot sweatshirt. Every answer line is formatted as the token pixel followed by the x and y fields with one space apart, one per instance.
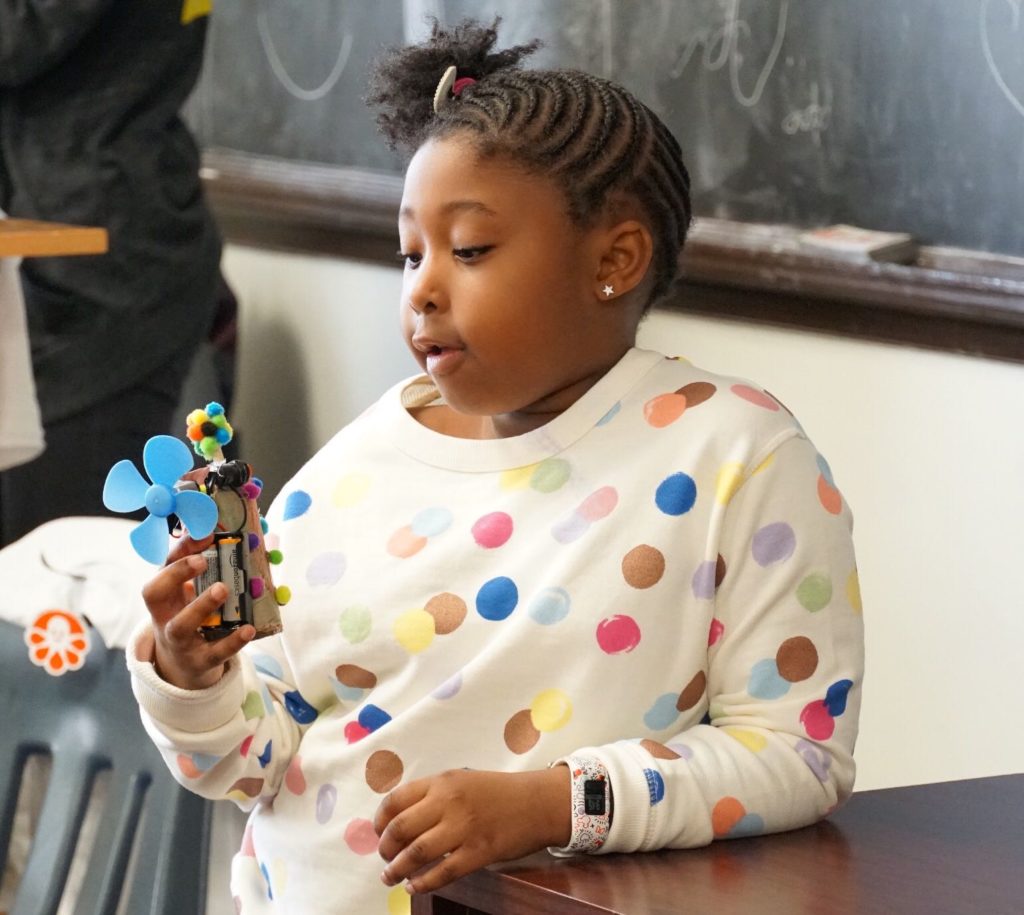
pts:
pixel 662 577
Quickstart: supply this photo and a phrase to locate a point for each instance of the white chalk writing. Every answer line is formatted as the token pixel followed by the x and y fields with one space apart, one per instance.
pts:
pixel 727 45
pixel 986 43
pixel 285 78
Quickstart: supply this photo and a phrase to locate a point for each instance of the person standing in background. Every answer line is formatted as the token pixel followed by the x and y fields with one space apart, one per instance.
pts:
pixel 91 134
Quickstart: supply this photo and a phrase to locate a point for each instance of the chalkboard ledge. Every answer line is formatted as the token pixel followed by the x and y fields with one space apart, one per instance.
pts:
pixel 950 299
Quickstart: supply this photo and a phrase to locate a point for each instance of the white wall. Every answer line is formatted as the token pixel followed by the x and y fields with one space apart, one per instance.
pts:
pixel 928 449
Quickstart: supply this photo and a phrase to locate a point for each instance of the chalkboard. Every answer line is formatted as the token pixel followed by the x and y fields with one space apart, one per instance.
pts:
pixel 890 114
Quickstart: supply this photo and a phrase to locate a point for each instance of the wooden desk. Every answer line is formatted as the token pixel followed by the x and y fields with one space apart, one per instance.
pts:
pixel 26 238
pixel 954 847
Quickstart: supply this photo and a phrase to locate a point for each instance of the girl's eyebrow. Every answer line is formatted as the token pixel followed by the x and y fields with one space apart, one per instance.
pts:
pixel 454 206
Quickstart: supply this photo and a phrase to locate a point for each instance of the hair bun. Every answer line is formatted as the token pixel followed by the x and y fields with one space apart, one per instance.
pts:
pixel 404 79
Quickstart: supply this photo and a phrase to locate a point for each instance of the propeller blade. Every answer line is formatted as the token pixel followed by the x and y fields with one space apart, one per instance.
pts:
pixel 197 511
pixel 166 459
pixel 124 489
pixel 150 540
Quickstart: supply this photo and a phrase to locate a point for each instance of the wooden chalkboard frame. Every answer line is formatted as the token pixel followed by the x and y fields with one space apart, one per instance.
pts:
pixel 950 300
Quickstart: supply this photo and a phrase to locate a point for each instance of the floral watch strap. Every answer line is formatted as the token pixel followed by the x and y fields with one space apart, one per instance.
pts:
pixel 591 803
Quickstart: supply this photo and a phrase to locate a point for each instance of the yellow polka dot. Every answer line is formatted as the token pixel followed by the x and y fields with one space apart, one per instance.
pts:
pixel 350 489
pixel 853 592
pixel 414 630
pixel 279 876
pixel 765 464
pixel 550 710
pixel 519 478
pixel 750 739
pixel 239 797
pixel 729 478
pixel 399 901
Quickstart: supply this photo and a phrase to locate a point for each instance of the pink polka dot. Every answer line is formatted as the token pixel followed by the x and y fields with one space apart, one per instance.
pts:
pixel 717 629
pixel 492 530
pixel 756 397
pixel 294 780
pixel 247 850
pixel 599 504
pixel 618 634
pixel 243 750
pixel 360 837
pixel 817 722
pixel 355 731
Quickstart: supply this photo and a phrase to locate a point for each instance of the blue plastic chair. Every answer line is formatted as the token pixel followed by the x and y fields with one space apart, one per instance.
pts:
pixel 86 721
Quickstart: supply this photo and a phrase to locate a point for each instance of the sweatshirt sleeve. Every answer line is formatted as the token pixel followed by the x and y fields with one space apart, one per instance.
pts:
pixel 234 740
pixel 782 677
pixel 36 34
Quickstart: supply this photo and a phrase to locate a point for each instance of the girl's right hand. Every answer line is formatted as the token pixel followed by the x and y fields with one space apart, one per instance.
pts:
pixel 182 656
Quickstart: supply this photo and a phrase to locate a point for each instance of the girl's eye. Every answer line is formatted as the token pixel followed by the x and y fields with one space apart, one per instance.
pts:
pixel 411 258
pixel 471 254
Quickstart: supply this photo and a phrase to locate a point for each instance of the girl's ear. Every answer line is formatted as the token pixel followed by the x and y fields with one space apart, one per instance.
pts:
pixel 625 256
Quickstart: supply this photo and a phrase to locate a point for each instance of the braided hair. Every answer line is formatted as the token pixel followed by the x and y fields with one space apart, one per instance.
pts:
pixel 592 136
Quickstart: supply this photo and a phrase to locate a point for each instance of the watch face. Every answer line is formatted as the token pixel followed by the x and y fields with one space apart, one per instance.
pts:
pixel 594 797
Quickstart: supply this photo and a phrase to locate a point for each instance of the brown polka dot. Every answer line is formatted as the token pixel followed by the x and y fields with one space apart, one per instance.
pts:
pixel 643 566
pixel 697 393
pixel 356 677
pixel 250 787
pixel 383 771
pixel 797 659
pixel 448 611
pixel 658 750
pixel 720 569
pixel 520 734
pixel 690 696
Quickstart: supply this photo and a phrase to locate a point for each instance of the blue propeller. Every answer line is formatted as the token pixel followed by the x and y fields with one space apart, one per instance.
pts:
pixel 166 459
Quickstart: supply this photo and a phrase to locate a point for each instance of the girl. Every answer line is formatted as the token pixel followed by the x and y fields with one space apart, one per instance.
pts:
pixel 555 592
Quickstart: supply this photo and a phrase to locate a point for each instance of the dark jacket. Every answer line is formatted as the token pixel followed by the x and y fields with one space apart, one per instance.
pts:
pixel 90 133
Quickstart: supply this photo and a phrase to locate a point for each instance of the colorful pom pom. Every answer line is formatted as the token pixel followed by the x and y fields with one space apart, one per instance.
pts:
pixel 256 588
pixel 249 491
pixel 209 430
pixel 283 594
pixel 263 525
pixel 274 557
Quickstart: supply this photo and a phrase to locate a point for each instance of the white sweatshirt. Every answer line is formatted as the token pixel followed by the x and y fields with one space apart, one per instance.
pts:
pixel 661 577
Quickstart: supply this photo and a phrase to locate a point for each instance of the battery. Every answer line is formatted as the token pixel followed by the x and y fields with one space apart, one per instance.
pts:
pixel 226 561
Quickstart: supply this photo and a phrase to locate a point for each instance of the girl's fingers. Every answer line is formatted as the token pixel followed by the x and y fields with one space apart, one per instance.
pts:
pixel 164 594
pixel 186 546
pixel 406 830
pixel 425 849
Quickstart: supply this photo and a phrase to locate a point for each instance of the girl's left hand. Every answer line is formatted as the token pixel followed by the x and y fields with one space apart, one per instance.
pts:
pixel 445 826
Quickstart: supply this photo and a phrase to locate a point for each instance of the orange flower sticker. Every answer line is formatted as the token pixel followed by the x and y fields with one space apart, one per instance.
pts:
pixel 57 641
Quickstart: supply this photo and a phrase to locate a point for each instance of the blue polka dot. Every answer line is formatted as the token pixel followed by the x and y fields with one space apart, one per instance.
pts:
pixel 765 681
pixel 266 877
pixel 264 757
pixel 835 698
pixel 826 471
pixel 550 606
pixel 655 785
pixel 371 717
pixel 347 693
pixel 663 713
pixel 676 494
pixel 204 762
pixel 497 598
pixel 431 521
pixel 299 708
pixel 750 825
pixel 610 415
pixel 296 504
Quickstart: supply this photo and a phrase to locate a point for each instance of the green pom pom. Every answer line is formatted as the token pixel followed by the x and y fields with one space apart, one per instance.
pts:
pixel 275 557
pixel 209 446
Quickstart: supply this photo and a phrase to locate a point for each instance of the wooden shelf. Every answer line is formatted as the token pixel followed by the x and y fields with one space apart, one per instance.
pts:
pixel 27 238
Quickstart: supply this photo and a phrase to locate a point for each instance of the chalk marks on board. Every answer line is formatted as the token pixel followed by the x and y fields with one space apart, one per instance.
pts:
pixel 724 46
pixel 280 71
pixel 814 119
pixel 1016 98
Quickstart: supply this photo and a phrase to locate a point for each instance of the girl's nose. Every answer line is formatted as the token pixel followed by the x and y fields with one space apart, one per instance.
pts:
pixel 423 292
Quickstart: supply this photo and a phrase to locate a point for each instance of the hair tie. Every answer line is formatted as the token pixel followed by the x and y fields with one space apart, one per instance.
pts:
pixel 450 82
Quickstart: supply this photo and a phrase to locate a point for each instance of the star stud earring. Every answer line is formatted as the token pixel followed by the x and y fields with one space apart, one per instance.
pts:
pixel 608 291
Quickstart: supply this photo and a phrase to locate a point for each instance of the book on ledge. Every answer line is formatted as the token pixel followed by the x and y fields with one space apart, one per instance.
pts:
pixel 852 243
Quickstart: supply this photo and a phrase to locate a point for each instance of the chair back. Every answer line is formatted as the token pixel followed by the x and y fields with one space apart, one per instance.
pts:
pixel 150 852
